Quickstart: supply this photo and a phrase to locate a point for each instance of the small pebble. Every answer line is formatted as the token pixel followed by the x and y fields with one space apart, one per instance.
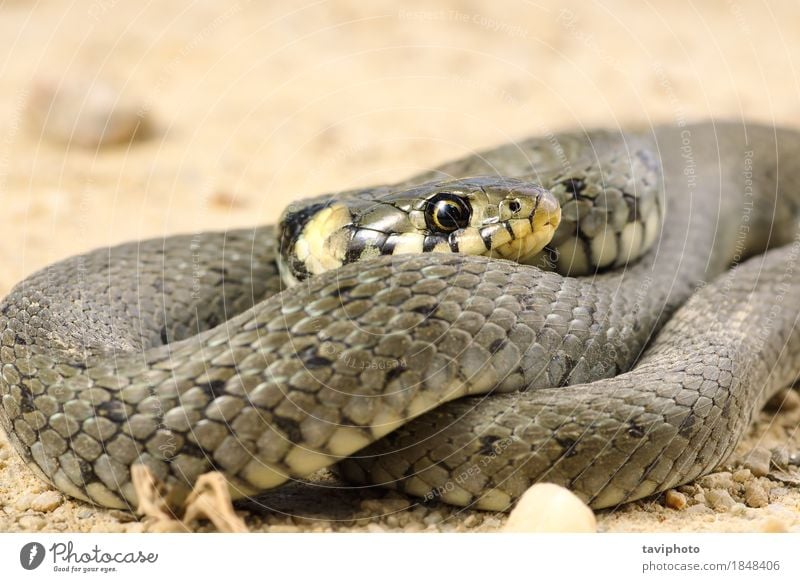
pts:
pixel 675 499
pixel 88 113
pixel 777 493
pixel 62 512
pixel 472 520
pixel 5 453
pixel 758 461
pixel 396 503
pixel 546 507
pixel 375 528
pixel 754 495
pixel 418 513
pixel 433 518
pixel 85 513
pixel 31 522
pixel 742 475
pixel 47 501
pixel 225 199
pixel 24 501
pixel 722 480
pixel 780 458
pixel 720 499
pixel 785 400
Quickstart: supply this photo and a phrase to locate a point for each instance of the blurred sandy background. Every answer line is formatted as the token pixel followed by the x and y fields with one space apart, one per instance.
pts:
pixel 255 104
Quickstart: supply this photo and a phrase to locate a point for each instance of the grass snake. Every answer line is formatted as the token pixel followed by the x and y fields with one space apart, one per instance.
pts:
pixel 464 378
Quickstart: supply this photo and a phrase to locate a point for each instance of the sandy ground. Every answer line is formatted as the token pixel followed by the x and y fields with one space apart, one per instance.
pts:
pixel 254 105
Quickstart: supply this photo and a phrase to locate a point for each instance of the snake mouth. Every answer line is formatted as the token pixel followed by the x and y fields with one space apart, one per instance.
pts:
pixel 528 236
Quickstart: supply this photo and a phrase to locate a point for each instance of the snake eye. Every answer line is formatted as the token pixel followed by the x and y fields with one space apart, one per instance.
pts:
pixel 446 212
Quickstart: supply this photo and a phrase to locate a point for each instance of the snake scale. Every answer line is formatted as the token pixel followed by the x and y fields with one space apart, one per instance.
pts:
pixel 463 378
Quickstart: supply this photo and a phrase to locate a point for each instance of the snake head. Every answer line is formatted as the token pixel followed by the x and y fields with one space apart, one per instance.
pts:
pixel 489 216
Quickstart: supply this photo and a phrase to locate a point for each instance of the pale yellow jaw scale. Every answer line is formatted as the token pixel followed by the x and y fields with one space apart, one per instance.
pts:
pixel 317 247
pixel 531 236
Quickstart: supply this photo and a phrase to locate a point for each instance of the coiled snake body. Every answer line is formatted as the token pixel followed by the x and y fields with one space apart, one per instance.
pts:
pixel 460 377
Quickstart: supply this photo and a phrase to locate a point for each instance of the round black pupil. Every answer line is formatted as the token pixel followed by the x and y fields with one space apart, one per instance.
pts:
pixel 449 215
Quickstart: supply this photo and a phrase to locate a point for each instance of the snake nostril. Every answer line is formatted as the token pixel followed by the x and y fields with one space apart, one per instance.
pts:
pixel 514 206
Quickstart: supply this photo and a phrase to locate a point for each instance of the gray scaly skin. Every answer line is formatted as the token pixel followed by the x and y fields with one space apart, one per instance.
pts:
pixel 134 355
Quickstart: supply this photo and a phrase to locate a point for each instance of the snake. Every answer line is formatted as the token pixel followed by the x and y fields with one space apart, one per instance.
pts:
pixel 604 309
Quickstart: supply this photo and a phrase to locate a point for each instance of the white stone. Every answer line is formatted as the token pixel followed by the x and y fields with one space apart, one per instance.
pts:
pixel 546 507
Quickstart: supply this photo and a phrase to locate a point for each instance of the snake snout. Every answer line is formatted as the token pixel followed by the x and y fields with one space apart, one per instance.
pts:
pixel 529 218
